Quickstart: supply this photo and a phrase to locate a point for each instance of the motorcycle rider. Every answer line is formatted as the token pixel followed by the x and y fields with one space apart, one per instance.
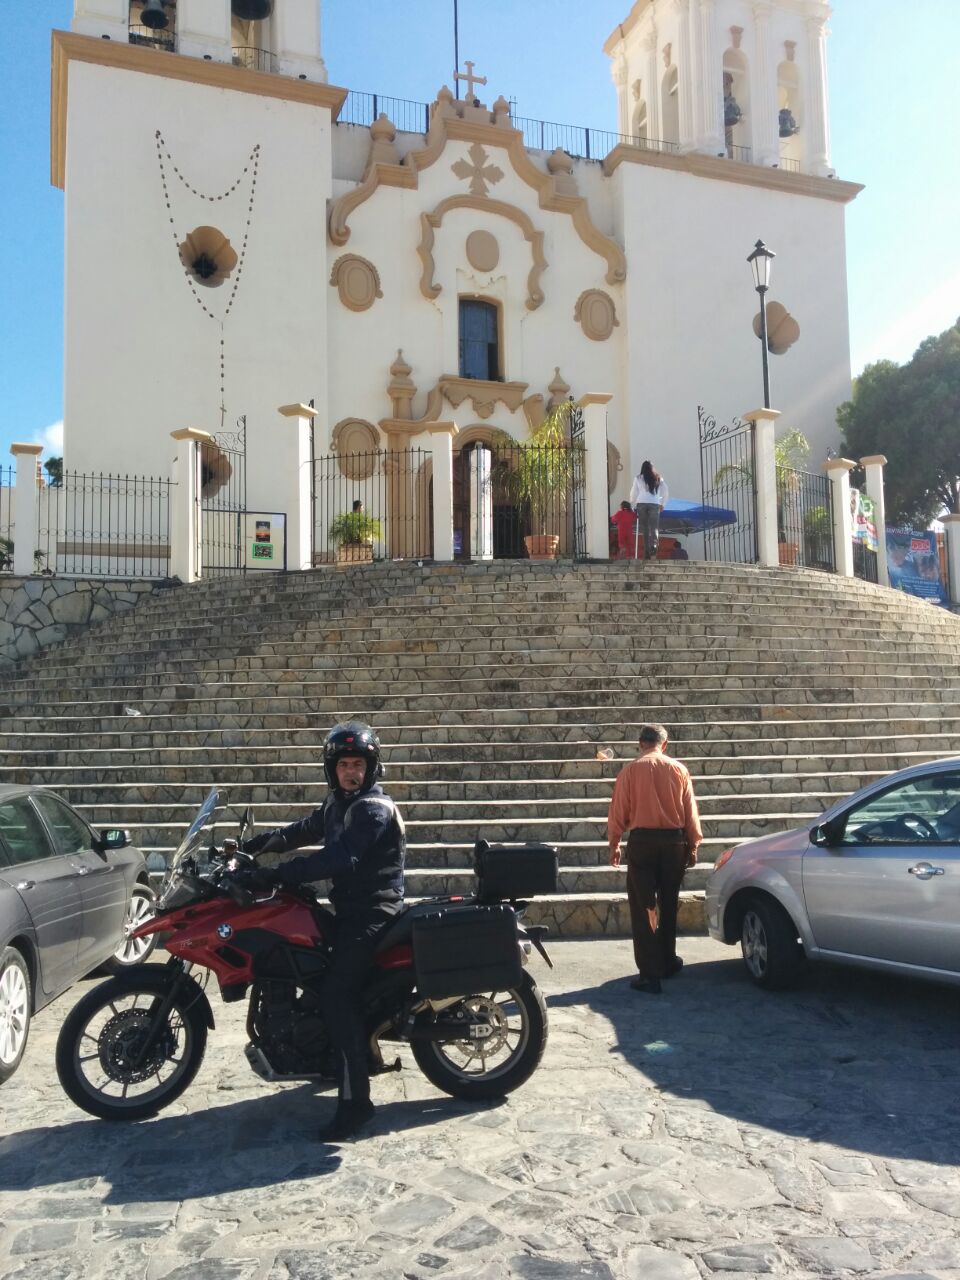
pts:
pixel 363 853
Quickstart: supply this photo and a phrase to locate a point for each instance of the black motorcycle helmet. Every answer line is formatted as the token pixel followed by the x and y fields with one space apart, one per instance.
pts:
pixel 352 738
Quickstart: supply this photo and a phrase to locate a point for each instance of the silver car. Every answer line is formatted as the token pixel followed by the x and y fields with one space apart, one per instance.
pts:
pixel 69 900
pixel 874 882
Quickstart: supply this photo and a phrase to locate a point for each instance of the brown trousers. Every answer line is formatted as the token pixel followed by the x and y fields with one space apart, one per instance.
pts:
pixel 656 861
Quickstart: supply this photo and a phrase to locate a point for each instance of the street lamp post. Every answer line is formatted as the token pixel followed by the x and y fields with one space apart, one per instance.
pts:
pixel 760 261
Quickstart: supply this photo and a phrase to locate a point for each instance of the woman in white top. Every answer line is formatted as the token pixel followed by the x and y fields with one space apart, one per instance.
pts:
pixel 648 496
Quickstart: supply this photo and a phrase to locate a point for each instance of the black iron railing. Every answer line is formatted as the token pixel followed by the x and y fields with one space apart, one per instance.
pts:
pixel 728 469
pixel 154 38
pixel 864 562
pixel 364 108
pixel 253 59
pixel 372 506
pixel 791 166
pixel 8 480
pixel 805 519
pixel 743 154
pixel 223 502
pixel 104 525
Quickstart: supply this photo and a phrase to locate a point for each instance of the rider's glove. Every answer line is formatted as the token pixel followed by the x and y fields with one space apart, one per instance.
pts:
pixel 269 842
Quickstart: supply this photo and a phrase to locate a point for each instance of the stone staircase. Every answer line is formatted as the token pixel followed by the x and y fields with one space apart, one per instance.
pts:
pixel 493 688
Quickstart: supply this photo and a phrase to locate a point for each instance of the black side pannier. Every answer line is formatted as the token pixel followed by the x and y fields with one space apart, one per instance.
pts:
pixel 507 873
pixel 458 951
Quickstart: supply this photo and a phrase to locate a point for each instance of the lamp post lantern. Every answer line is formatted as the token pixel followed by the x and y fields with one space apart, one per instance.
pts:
pixel 760 261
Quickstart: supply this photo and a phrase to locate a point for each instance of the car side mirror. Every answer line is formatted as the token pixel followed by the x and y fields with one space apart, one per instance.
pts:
pixel 827 834
pixel 115 838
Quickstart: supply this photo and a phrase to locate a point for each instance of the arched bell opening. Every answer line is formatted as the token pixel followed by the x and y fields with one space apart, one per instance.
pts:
pixel 153 24
pixel 251 35
pixel 790 113
pixel 736 105
pixel 670 106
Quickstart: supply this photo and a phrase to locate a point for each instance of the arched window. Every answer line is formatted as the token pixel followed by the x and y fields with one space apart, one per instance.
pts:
pixel 670 109
pixel 790 117
pixel 479 340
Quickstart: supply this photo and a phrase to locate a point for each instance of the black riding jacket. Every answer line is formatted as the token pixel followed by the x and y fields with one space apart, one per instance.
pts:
pixel 364 848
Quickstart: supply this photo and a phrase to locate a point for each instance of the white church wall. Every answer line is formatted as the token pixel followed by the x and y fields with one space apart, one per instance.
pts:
pixel 690 306
pixel 142 357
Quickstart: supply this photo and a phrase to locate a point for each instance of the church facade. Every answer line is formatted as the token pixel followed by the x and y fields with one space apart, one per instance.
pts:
pixel 233 245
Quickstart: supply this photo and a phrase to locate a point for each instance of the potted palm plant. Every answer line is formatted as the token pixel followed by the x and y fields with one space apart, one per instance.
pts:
pixel 542 481
pixel 354 533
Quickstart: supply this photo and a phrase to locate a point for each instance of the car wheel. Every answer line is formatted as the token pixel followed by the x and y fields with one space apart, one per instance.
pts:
pixel 771 950
pixel 14 1010
pixel 132 951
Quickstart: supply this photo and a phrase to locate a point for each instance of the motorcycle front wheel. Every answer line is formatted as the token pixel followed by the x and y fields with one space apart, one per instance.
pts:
pixel 500 1063
pixel 99 1059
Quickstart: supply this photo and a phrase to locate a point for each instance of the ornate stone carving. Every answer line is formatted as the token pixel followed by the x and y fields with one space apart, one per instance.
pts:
pixel 782 329
pixel 479 170
pixel 383 133
pixel 637 90
pixel 208 256
pixel 483 395
pixel 560 165
pixel 667 54
pixel 357 280
pixel 483 252
pixel 401 388
pixel 355 442
pixel 534 410
pixel 559 390
pixel 430 221
pixel 596 314
pixel 614 466
pixel 736 36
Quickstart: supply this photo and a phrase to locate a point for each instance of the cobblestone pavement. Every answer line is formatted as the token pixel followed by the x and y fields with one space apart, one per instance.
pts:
pixel 712 1130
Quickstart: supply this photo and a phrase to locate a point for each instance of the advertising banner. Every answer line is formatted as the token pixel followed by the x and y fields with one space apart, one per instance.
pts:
pixel 913 561
pixel 864 521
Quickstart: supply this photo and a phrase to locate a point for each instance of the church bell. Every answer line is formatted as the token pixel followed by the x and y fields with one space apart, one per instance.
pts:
pixel 252 10
pixel 154 15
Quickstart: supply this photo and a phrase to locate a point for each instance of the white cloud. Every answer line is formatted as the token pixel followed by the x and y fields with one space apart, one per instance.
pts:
pixel 51 438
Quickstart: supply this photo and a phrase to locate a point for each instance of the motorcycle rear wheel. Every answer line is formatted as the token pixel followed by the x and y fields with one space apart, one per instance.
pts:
pixel 102 1033
pixel 481 1069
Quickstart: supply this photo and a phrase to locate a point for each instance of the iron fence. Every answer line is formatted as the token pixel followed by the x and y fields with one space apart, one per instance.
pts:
pixel 578 477
pixel 743 154
pixel 8 480
pixel 506 494
pixel 372 506
pixel 805 519
pixel 223 502
pixel 104 525
pixel 791 166
pixel 153 37
pixel 364 108
pixel 864 562
pixel 253 59
pixel 728 469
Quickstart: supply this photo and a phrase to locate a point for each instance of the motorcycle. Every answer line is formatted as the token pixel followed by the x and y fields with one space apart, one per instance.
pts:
pixel 449 979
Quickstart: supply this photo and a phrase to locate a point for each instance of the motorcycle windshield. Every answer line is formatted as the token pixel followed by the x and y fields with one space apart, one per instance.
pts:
pixel 192 853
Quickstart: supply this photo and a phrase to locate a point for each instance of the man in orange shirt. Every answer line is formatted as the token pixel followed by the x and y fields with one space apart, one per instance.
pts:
pixel 653 800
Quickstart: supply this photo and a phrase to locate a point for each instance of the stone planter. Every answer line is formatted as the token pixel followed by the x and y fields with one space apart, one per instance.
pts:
pixel 355 553
pixel 542 546
pixel 788 552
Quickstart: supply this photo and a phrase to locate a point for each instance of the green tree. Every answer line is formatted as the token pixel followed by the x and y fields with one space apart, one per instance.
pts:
pixel 54 469
pixel 911 413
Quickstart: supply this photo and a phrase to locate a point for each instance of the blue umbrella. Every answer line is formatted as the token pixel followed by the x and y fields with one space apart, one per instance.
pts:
pixel 680 516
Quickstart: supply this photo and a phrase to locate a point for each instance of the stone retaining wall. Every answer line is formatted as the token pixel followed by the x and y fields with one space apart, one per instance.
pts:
pixel 37 612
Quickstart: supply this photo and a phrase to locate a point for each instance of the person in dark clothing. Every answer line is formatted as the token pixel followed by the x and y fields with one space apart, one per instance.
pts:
pixel 363 854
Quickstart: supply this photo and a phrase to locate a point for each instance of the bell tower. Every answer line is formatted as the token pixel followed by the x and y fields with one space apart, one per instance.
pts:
pixel 279 36
pixel 744 79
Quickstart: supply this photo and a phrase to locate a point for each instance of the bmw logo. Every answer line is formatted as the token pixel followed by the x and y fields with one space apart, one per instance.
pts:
pixel 225 930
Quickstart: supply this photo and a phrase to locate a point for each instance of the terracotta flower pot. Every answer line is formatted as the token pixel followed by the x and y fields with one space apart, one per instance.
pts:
pixel 788 552
pixel 542 546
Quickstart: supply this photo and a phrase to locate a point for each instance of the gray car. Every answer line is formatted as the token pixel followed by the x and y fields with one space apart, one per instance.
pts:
pixel 874 882
pixel 69 899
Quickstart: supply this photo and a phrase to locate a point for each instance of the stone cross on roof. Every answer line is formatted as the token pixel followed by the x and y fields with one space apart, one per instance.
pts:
pixel 471 80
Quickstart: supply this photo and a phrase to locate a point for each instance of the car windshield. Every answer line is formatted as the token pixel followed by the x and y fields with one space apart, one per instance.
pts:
pixel 192 854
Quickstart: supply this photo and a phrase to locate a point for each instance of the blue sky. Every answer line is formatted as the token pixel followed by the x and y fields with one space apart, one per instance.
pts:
pixel 894 122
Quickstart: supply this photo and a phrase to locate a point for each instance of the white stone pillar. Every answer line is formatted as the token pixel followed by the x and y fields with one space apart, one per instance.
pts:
pixel 441 452
pixel 711 75
pixel 764 454
pixel 296 36
pixel 817 119
pixel 838 469
pixel 204 29
pixel 873 466
pixel 25 504
pixel 185 525
pixel 687 71
pixel 292 466
pixel 110 18
pixel 763 99
pixel 594 406
pixel 696 75
pixel 618 73
pixel 951 526
pixel 480 503
pixel 651 80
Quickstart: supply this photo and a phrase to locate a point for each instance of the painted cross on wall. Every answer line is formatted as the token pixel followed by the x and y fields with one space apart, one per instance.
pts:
pixel 478 170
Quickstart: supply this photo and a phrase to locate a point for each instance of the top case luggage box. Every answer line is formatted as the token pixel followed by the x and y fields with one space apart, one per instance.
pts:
pixel 507 873
pixel 460 951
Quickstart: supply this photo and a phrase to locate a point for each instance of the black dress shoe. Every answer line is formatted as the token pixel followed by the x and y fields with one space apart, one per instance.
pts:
pixel 675 966
pixel 650 986
pixel 349 1119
